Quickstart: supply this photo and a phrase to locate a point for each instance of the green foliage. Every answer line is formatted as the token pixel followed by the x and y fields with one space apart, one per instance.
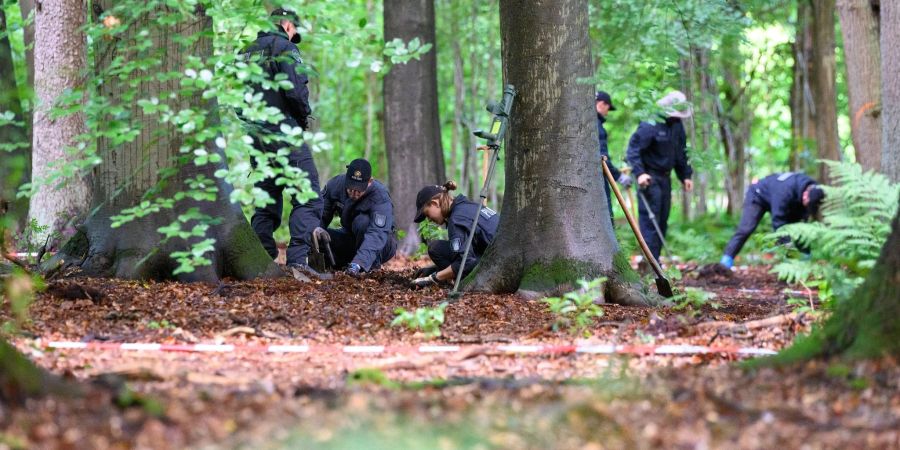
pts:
pixel 577 310
pixel 161 325
pixel 428 320
pixel 692 300
pixel 857 214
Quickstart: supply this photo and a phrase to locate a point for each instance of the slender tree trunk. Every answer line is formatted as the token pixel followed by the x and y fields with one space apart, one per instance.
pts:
pixel 822 74
pixel 60 55
pixel 803 127
pixel 890 68
pixel 553 231
pixel 27 7
pixel 412 131
pixel 863 54
pixel 129 170
pixel 15 160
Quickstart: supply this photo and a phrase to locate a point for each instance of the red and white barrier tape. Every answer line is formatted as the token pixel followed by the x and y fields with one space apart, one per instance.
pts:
pixel 516 349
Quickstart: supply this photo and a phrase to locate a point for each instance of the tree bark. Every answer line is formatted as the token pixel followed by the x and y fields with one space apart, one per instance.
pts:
pixel 412 131
pixel 14 169
pixel 803 126
pixel 890 67
pixel 553 231
pixel 130 170
pixel 822 73
pixel 60 55
pixel 863 55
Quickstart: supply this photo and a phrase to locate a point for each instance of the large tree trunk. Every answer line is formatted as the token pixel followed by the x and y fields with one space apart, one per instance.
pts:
pixel 130 170
pixel 553 230
pixel 822 74
pixel 60 55
pixel 863 54
pixel 803 126
pixel 890 68
pixel 15 161
pixel 412 131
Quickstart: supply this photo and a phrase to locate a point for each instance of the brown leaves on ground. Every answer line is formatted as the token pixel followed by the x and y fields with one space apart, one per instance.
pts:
pixel 253 398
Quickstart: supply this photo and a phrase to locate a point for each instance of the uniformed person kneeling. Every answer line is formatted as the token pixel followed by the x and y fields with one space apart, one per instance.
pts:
pixel 437 205
pixel 366 238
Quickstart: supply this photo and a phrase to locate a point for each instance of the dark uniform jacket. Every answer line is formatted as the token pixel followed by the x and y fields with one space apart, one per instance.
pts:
pixel 782 195
pixel 375 204
pixel 656 148
pixel 460 223
pixel 604 147
pixel 277 54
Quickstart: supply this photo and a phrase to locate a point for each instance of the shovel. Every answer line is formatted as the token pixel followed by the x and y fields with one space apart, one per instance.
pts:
pixel 662 284
pixel 654 222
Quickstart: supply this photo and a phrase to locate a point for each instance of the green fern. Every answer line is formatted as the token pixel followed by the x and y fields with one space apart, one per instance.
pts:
pixel 856 217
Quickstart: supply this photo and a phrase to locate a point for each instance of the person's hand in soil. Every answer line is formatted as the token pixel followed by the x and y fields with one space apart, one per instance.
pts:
pixel 425 271
pixel 424 282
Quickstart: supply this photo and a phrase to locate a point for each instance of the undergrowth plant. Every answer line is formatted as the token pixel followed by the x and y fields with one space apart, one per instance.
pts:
pixel 577 309
pixel 692 299
pixel 428 320
pixel 844 245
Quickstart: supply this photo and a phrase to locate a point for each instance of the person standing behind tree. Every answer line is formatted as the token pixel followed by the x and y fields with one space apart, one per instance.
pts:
pixel 653 151
pixel 277 53
pixel 366 239
pixel 603 105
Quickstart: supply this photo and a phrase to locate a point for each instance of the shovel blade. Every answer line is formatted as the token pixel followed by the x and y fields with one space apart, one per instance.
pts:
pixel 664 288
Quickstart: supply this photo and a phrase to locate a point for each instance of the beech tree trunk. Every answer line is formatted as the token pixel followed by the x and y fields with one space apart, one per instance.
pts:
pixel 135 250
pixel 553 228
pixel 60 55
pixel 822 74
pixel 803 126
pixel 890 68
pixel 412 131
pixel 859 26
pixel 15 158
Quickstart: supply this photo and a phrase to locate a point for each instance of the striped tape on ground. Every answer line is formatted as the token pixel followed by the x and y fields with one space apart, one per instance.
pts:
pixel 514 349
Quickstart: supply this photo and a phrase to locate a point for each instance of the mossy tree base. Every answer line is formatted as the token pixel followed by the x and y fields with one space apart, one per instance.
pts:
pixel 867 325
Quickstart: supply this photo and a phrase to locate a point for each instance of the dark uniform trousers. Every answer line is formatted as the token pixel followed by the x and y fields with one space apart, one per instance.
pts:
pixel 304 217
pixel 751 214
pixel 659 197
pixel 442 255
pixel 345 245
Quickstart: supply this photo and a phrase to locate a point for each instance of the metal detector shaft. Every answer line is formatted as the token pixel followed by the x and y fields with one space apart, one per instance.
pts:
pixel 495 155
pixel 653 221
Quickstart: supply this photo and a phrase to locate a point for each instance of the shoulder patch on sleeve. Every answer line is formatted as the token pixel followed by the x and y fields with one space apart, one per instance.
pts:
pixel 380 220
pixel 456 245
pixel 295 55
pixel 487 213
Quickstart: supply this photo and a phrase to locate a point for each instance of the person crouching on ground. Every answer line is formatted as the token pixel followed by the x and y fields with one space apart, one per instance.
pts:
pixel 437 205
pixel 790 197
pixel 366 238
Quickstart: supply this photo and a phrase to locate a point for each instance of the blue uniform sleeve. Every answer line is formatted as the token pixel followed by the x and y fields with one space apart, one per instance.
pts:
pixel 381 222
pixel 329 195
pixel 640 141
pixel 683 169
pixel 458 233
pixel 604 150
pixel 289 63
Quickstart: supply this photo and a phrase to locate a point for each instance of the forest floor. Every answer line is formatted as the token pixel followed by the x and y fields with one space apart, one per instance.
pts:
pixel 476 398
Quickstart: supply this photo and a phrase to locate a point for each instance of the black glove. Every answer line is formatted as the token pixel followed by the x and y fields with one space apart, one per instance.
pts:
pixel 423 282
pixel 425 271
pixel 354 270
pixel 320 236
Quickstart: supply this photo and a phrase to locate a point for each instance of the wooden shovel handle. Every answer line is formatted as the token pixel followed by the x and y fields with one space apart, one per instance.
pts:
pixel 634 226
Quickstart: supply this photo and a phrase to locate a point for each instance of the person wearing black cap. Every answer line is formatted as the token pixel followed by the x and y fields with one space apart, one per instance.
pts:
pixel 791 197
pixel 276 52
pixel 654 149
pixel 436 204
pixel 366 238
pixel 603 104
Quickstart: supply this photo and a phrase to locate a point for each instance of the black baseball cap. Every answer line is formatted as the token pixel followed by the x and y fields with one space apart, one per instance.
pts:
pixel 604 96
pixel 280 14
pixel 359 172
pixel 816 195
pixel 424 196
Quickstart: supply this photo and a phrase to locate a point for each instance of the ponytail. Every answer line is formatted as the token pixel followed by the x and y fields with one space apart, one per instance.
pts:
pixel 444 199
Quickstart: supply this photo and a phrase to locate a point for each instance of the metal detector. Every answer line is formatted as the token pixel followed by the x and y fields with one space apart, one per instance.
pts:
pixel 494 138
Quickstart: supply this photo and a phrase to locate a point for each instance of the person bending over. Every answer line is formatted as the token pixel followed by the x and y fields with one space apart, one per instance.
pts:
pixel 436 204
pixel 366 237
pixel 790 197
